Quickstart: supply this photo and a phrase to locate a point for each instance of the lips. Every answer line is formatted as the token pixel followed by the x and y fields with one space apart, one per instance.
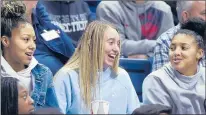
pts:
pixel 177 60
pixel 31 110
pixel 112 56
pixel 29 54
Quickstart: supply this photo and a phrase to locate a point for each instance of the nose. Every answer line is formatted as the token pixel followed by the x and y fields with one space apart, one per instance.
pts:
pixel 177 51
pixel 116 49
pixel 31 101
pixel 32 45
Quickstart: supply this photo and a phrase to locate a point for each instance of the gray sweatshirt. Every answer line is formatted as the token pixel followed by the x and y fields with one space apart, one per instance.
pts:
pixel 184 94
pixel 139 24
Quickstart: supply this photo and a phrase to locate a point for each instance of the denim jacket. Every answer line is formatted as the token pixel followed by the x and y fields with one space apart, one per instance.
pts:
pixel 43 92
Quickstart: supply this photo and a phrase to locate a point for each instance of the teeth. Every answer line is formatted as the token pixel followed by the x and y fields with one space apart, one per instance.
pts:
pixel 28 54
pixel 112 56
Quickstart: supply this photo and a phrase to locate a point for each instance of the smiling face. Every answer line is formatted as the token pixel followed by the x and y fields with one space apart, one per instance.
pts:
pixel 111 46
pixel 25 102
pixel 20 48
pixel 185 54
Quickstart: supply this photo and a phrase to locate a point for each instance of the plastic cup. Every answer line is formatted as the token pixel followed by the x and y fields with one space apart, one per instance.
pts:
pixel 99 107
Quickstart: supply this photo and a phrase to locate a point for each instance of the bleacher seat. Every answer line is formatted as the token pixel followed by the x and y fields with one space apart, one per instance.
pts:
pixel 137 69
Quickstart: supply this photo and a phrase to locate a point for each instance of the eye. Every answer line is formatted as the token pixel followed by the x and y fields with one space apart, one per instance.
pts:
pixel 24 97
pixel 184 48
pixel 26 39
pixel 118 43
pixel 172 48
pixel 111 42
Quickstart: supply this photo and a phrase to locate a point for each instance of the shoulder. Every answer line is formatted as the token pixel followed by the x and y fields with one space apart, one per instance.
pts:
pixel 42 73
pixel 41 69
pixel 161 5
pixel 202 69
pixel 156 76
pixel 123 78
pixel 122 71
pixel 109 5
pixel 122 74
pixel 65 74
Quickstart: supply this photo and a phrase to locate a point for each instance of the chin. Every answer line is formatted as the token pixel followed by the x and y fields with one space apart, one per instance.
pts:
pixel 178 68
pixel 27 63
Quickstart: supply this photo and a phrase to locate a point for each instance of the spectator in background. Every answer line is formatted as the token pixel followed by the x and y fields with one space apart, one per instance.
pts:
pixel 71 16
pixel 18 46
pixel 139 22
pixel 93 74
pixel 93 5
pixel 185 10
pixel 15 97
pixel 54 48
pixel 180 84
pixel 173 5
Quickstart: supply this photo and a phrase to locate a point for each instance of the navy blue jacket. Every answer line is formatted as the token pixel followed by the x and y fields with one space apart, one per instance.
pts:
pixel 71 16
pixel 54 53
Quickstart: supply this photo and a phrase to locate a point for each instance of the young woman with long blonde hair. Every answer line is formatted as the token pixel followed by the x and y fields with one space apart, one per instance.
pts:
pixel 92 74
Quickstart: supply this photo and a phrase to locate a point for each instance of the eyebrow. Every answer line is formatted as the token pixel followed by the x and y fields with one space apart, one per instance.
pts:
pixel 28 34
pixel 23 91
pixel 110 39
pixel 181 44
pixel 34 37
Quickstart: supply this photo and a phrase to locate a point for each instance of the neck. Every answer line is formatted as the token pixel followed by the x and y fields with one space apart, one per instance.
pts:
pixel 105 67
pixel 15 65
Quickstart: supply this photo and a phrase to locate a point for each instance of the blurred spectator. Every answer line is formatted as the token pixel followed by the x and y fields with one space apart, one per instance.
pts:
pixel 93 5
pixel 71 16
pixel 139 23
pixel 173 5
pixel 15 97
pixel 152 109
pixel 56 48
pixel 185 11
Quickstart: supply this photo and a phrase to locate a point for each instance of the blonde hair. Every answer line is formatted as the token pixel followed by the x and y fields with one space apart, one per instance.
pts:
pixel 88 59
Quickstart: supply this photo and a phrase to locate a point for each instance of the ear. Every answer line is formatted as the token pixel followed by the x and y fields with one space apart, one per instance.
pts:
pixel 5 41
pixel 200 54
pixel 185 16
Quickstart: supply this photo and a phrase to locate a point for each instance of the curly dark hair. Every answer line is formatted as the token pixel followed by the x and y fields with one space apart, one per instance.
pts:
pixel 198 26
